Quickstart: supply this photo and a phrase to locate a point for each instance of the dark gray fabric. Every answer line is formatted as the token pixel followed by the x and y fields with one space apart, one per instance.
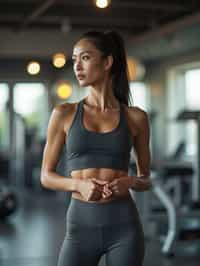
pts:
pixel 89 149
pixel 95 229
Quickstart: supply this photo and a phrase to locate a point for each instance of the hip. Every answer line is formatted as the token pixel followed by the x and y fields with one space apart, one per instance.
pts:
pixel 99 213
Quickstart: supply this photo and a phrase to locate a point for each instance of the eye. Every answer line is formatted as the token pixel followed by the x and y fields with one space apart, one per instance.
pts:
pixel 85 57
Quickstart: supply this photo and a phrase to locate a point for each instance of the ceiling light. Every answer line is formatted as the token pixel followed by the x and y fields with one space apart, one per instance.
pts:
pixel 66 25
pixel 102 3
pixel 64 90
pixel 59 60
pixel 33 68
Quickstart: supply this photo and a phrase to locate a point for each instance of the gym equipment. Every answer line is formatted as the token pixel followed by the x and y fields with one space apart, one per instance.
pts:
pixel 180 223
pixel 17 158
pixel 143 203
pixel 164 198
pixel 187 115
pixel 175 174
pixel 183 222
pixel 182 236
pixel 8 202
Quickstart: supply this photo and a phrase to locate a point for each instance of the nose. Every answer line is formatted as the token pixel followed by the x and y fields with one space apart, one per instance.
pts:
pixel 77 65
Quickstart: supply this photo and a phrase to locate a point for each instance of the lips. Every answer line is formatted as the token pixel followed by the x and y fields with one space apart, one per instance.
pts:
pixel 80 76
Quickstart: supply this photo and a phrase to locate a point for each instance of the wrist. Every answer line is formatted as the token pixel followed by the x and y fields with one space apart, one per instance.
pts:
pixel 132 181
pixel 76 185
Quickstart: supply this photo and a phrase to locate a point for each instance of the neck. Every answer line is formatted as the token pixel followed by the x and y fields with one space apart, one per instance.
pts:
pixel 102 98
pixel 102 103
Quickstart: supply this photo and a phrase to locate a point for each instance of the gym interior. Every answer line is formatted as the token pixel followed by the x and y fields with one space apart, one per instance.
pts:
pixel 162 42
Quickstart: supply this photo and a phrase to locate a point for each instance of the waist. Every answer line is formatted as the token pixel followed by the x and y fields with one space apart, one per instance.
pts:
pixel 97 161
pixel 78 196
pixel 115 211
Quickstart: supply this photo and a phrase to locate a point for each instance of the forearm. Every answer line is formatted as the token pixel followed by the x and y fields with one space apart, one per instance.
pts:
pixel 140 183
pixel 54 181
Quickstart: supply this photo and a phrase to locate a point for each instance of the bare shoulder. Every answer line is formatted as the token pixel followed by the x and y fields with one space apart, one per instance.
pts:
pixel 66 113
pixel 138 116
pixel 64 108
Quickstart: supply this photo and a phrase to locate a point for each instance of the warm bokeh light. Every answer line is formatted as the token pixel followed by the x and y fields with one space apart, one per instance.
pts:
pixel 59 60
pixel 136 70
pixel 33 68
pixel 102 3
pixel 64 90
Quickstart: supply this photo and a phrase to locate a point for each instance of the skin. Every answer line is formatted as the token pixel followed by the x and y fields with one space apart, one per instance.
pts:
pixel 95 184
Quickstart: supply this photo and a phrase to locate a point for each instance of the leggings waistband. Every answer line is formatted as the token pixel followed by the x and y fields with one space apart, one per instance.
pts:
pixel 112 212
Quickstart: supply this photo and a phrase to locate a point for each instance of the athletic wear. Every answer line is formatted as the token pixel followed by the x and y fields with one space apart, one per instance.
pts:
pixel 89 149
pixel 94 229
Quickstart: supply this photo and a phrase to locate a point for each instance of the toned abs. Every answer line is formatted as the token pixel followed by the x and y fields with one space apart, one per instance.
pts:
pixel 101 174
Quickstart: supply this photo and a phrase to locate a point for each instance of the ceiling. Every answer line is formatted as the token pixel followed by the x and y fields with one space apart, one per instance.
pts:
pixel 151 29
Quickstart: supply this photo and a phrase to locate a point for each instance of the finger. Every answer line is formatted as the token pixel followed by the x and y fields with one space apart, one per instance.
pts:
pixel 111 186
pixel 99 188
pixel 98 181
pixel 106 190
pixel 106 186
pixel 106 195
pixel 115 189
pixel 96 187
pixel 89 195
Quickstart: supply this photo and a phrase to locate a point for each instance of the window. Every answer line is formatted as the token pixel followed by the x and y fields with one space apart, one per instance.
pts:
pixel 183 94
pixel 31 102
pixel 4 127
pixel 192 78
pixel 139 95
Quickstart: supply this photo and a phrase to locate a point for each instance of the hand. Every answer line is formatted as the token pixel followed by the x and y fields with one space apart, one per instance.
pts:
pixel 91 189
pixel 106 192
pixel 120 185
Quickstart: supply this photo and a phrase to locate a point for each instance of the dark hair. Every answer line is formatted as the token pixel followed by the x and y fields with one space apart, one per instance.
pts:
pixel 111 43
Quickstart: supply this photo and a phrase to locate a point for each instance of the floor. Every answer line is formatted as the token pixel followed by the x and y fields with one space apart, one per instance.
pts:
pixel 32 236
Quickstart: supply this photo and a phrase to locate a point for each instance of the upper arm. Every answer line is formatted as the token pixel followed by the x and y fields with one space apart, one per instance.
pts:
pixel 141 143
pixel 55 140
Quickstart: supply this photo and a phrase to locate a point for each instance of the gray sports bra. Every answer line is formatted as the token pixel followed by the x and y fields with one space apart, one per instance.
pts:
pixel 89 149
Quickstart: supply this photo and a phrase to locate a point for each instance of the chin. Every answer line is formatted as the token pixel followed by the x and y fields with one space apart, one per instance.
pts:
pixel 83 84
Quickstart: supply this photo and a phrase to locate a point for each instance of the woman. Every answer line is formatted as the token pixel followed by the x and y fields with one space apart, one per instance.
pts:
pixel 99 132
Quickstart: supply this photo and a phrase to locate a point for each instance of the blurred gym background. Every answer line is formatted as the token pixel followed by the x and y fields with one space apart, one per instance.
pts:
pixel 162 41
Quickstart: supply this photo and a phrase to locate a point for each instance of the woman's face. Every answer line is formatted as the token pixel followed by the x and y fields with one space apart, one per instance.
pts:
pixel 88 64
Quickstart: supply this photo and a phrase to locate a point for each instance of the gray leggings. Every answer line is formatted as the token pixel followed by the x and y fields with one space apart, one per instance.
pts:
pixel 95 229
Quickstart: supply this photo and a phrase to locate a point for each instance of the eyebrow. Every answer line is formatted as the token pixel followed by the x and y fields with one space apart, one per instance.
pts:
pixel 87 51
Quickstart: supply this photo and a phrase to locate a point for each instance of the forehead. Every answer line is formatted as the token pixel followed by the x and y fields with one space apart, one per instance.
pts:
pixel 84 45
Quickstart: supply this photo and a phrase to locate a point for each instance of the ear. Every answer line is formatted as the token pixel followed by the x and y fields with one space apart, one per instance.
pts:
pixel 108 62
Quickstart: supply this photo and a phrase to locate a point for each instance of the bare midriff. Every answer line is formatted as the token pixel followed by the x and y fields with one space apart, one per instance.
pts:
pixel 101 174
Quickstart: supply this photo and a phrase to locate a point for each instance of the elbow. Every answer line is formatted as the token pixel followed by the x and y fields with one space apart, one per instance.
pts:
pixel 43 179
pixel 43 182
